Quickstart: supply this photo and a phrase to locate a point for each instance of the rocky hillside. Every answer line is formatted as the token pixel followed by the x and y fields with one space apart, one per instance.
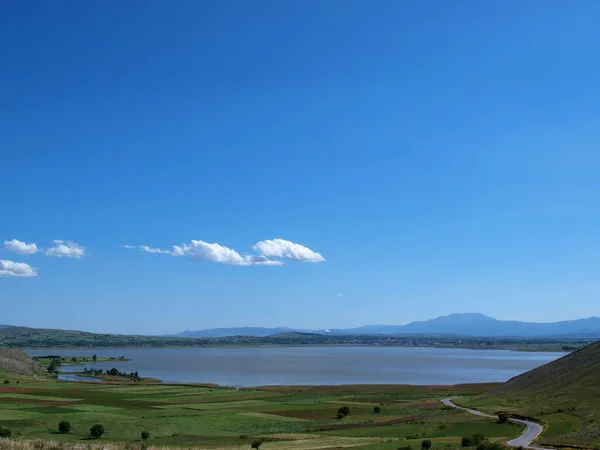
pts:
pixel 18 362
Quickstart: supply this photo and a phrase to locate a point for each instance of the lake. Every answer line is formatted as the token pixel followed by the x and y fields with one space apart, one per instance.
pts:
pixel 256 366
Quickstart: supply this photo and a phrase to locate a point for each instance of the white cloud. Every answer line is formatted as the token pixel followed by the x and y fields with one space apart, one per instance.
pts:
pixel 269 253
pixel 16 269
pixel 145 248
pixel 204 251
pixel 280 248
pixel 22 248
pixel 68 249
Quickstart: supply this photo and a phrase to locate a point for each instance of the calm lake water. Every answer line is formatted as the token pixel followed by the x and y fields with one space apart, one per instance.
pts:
pixel 249 366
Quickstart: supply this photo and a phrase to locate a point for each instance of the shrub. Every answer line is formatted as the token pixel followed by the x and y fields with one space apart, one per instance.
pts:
pixel 5 433
pixel 491 446
pixel 476 439
pixel 340 416
pixel 344 410
pixel 6 381
pixel 502 418
pixel 64 427
pixel 97 431
pixel 377 410
pixel 256 444
pixel 145 435
pixel 426 444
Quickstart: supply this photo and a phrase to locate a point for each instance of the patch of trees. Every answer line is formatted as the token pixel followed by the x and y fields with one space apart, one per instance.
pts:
pixel 54 365
pixel 114 372
pixel 64 427
pixel 5 433
pixel 145 435
pixel 343 412
pixel 256 444
pixel 377 410
pixel 471 441
pixel 491 446
pixel 426 444
pixel 96 431
pixel 503 417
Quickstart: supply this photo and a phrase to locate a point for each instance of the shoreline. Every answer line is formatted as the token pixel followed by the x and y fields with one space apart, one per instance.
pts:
pixel 137 347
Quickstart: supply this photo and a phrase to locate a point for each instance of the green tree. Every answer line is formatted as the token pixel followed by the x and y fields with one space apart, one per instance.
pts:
pixel 256 444
pixel 6 382
pixel 426 444
pixel 94 358
pixel 377 410
pixel 114 372
pixel 145 435
pixel 53 367
pixel 5 433
pixel 344 410
pixel 502 418
pixel 64 427
pixel 74 359
pixel 97 431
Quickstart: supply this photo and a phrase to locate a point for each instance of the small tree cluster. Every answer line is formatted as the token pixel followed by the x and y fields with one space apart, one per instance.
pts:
pixel 97 431
pixel 5 433
pixel 377 410
pixel 491 446
pixel 503 417
pixel 470 441
pixel 343 412
pixel 64 427
pixel 256 444
pixel 426 444
pixel 145 435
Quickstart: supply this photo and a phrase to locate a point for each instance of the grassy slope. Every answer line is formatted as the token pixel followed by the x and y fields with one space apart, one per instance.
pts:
pixel 299 418
pixel 565 394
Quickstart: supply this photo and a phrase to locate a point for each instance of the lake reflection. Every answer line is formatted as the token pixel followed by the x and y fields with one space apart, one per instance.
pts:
pixel 255 366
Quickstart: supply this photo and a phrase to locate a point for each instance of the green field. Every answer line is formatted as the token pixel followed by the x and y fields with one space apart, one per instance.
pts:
pixel 211 417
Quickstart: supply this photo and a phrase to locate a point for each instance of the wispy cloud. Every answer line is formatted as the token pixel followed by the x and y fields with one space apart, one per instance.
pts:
pixel 145 248
pixel 16 269
pixel 268 253
pixel 22 248
pixel 66 249
pixel 128 246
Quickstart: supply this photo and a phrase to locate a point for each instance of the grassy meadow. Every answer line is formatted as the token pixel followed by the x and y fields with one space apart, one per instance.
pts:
pixel 301 418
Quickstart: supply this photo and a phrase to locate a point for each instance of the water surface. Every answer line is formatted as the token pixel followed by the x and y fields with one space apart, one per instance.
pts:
pixel 256 366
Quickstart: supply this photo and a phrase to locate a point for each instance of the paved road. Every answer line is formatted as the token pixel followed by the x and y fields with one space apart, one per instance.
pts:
pixel 531 433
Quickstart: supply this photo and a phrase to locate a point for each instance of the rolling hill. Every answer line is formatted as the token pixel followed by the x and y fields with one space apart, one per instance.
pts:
pixel 564 393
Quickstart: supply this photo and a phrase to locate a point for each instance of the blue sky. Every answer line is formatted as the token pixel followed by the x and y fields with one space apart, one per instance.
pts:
pixel 430 157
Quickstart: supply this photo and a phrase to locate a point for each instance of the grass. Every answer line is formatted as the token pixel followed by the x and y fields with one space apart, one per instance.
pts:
pixel 563 394
pixel 301 417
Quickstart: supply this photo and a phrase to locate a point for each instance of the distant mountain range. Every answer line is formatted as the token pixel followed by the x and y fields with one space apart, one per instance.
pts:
pixel 459 324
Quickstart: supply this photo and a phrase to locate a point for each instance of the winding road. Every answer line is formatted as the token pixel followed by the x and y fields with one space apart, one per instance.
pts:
pixel 530 434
